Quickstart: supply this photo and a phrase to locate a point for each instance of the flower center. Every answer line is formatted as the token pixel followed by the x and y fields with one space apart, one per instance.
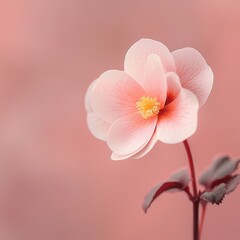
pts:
pixel 148 107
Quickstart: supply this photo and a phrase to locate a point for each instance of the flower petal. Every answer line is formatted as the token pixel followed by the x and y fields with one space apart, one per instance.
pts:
pixel 137 56
pixel 139 153
pixel 216 195
pixel 115 95
pixel 221 167
pixel 194 72
pixel 97 126
pixel 130 134
pixel 178 121
pixel 178 181
pixel 87 102
pixel 118 157
pixel 148 147
pixel 173 86
pixel 155 84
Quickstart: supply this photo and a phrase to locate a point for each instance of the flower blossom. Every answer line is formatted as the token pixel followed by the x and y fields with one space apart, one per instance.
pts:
pixel 156 97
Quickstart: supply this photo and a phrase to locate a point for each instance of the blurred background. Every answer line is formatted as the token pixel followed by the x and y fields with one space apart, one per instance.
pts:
pixel 57 181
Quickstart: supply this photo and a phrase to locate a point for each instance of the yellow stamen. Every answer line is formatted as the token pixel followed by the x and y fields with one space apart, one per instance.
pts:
pixel 148 107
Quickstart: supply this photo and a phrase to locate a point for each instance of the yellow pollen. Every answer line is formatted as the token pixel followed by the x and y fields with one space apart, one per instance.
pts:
pixel 148 107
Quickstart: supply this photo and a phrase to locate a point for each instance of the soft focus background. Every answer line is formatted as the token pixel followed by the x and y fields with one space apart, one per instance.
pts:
pixel 57 181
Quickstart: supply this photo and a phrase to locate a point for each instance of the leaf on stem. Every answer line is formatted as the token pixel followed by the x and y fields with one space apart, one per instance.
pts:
pixel 221 169
pixel 233 183
pixel 178 181
pixel 216 195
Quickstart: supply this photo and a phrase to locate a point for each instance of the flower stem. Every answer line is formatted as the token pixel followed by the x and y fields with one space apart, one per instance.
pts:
pixel 195 219
pixel 195 192
pixel 204 206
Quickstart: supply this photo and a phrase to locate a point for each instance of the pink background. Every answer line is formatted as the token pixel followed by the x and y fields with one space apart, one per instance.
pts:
pixel 57 181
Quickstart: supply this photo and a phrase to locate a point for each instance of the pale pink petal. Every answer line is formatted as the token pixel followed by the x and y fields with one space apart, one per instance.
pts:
pixel 178 121
pixel 115 95
pixel 148 147
pixel 130 133
pixel 117 157
pixel 173 86
pixel 97 126
pixel 155 84
pixel 88 105
pixel 139 153
pixel 137 56
pixel 194 72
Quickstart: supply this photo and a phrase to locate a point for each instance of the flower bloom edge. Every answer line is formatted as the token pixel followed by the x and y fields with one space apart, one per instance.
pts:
pixel 156 97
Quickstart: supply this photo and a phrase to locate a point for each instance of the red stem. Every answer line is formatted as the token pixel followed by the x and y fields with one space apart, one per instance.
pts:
pixel 204 206
pixel 195 192
pixel 192 170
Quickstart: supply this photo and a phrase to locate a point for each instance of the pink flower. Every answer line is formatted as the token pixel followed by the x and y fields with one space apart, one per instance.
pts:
pixel 156 97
